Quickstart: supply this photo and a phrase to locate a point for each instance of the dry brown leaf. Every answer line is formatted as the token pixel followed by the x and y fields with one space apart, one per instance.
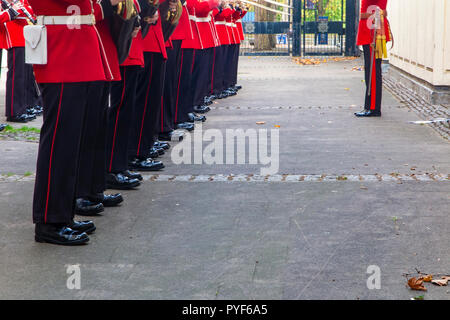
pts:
pixel 427 278
pixel 416 284
pixel 441 282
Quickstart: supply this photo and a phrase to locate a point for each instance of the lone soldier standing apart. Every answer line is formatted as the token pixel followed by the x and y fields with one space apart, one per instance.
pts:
pixel 373 33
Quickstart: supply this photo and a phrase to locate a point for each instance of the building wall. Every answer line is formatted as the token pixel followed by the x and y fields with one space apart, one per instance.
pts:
pixel 421 30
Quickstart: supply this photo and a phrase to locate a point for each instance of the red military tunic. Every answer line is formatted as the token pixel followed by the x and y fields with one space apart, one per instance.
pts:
pixel 220 22
pixel 136 55
pixel 184 30
pixel 79 60
pixel 234 17
pixel 229 24
pixel 239 24
pixel 4 17
pixel 196 41
pixel 203 12
pixel 109 47
pixel 154 40
pixel 13 30
pixel 213 27
pixel 365 35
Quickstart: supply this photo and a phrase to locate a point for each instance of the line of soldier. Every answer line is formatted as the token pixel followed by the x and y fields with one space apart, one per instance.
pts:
pixel 108 115
pixel 22 103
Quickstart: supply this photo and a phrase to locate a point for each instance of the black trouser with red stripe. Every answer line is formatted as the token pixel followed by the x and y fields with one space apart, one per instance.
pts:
pixel 171 81
pixel 185 88
pixel 373 100
pixel 148 106
pixel 120 117
pixel 201 77
pixel 58 160
pixel 229 75
pixel 235 64
pixel 219 69
pixel 91 174
pixel 21 90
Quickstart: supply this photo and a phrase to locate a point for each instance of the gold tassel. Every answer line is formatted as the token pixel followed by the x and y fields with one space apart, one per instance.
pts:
pixel 378 48
pixel 384 47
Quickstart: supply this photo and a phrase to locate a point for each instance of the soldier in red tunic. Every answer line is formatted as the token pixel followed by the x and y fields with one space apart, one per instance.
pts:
pixel 122 112
pixel 22 100
pixel 75 70
pixel 373 34
pixel 148 101
pixel 170 119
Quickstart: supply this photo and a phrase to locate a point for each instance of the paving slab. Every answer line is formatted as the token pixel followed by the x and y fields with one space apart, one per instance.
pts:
pixel 349 193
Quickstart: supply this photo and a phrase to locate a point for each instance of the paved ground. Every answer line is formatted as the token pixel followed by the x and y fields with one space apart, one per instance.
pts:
pixel 352 193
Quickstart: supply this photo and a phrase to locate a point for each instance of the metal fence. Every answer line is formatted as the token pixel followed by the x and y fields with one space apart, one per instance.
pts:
pixel 323 33
pixel 266 32
pixel 317 32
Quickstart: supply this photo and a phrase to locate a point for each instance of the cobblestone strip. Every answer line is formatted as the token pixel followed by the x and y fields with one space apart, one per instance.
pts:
pixel 295 178
pixel 280 178
pixel 295 107
pixel 424 109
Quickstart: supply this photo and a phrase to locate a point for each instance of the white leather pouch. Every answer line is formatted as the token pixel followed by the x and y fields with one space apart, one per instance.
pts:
pixel 35 44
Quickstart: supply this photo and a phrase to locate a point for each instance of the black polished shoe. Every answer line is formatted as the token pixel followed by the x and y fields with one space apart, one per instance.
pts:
pixel 159 144
pixel 223 95
pixel 21 119
pixel 201 109
pixel 186 126
pixel 85 207
pixel 161 151
pixel 168 136
pixel 118 181
pixel 154 153
pixel 146 164
pixel 57 234
pixel 82 226
pixel 207 101
pixel 231 92
pixel 3 126
pixel 132 175
pixel 192 117
pixel 368 113
pixel 112 200
pixel 34 111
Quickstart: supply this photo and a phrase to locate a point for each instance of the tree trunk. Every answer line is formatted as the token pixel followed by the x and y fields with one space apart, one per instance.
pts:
pixel 264 42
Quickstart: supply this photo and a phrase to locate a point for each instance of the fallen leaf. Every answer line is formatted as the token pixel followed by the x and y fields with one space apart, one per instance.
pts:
pixel 427 278
pixel 416 284
pixel 261 122
pixel 441 282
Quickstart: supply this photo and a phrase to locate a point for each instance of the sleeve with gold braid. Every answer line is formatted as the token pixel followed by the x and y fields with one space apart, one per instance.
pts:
pixel 169 18
pixel 125 19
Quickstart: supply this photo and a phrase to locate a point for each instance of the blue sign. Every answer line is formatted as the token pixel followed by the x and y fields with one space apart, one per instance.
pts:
pixel 281 38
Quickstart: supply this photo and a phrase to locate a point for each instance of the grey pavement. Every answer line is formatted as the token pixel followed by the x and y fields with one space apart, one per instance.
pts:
pixel 258 240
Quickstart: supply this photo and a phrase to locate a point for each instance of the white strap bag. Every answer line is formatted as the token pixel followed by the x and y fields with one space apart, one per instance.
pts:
pixel 35 44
